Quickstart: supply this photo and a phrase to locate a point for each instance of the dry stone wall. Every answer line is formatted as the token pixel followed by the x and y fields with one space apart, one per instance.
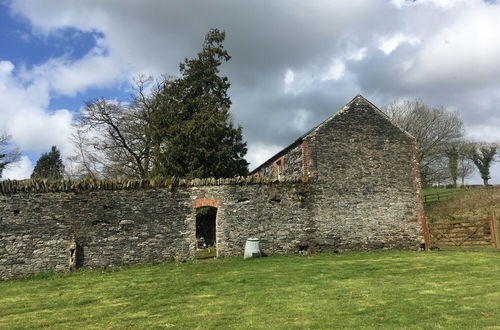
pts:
pixel 141 225
pixel 109 227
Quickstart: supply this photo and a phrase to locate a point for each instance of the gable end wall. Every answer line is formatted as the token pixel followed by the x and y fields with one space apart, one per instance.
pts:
pixel 366 183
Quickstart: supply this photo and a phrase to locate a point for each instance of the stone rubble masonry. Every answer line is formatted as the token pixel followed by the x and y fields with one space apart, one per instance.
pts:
pixel 367 186
pixel 137 226
pixel 351 183
pixel 366 180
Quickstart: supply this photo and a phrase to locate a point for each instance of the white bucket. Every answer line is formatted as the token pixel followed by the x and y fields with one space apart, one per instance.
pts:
pixel 252 248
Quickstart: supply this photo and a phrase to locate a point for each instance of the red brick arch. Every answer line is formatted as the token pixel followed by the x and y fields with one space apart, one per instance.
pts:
pixel 212 202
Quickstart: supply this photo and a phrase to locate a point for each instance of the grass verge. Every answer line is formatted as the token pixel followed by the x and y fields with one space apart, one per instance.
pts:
pixel 390 289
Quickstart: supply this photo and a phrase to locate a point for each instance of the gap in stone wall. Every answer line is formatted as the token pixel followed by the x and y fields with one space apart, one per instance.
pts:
pixel 206 232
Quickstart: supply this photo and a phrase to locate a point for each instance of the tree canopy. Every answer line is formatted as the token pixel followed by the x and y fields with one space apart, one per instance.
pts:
pixel 434 129
pixel 49 166
pixel 193 132
pixel 113 139
pixel 483 155
pixel 173 126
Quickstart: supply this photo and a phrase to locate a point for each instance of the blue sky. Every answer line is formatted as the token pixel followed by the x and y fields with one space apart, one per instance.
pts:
pixel 26 47
pixel 290 59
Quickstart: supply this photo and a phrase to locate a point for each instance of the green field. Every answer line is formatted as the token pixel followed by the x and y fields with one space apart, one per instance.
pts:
pixel 471 203
pixel 389 289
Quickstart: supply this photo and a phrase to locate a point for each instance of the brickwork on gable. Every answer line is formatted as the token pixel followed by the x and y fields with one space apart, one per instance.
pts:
pixel 306 158
pixel 292 164
pixel 279 167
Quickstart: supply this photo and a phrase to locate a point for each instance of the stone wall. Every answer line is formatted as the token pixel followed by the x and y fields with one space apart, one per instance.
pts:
pixel 110 228
pixel 366 180
pixel 292 161
pixel 362 192
pixel 276 213
pixel 136 226
pixel 367 187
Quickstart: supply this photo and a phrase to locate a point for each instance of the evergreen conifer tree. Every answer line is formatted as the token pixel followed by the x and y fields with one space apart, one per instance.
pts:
pixel 193 132
pixel 49 166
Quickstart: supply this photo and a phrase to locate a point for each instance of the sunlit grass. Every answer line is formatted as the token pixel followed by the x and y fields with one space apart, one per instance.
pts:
pixel 388 289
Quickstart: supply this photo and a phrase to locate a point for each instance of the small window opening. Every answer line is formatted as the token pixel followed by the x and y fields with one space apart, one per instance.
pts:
pixel 279 167
pixel 16 212
pixel 206 232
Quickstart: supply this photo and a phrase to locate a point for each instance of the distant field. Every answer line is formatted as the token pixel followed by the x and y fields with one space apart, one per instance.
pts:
pixel 387 289
pixel 468 203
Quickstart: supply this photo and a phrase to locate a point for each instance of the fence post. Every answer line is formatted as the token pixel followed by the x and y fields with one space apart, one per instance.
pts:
pixel 425 227
pixel 495 235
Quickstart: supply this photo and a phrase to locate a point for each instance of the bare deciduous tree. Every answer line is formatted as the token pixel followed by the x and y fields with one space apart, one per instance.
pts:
pixel 434 129
pixel 452 152
pixel 8 154
pixel 459 165
pixel 114 139
pixel 482 154
pixel 465 167
pixel 85 162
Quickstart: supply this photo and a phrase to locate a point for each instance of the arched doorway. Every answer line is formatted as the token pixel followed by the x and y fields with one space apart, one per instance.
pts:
pixel 206 227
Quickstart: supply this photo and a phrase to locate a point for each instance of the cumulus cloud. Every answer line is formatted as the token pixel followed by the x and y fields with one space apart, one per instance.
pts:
pixel 259 153
pixel 66 77
pixel 23 113
pixel 293 63
pixel 18 171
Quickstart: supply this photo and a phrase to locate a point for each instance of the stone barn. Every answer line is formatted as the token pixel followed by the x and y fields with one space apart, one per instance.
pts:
pixel 350 183
pixel 366 179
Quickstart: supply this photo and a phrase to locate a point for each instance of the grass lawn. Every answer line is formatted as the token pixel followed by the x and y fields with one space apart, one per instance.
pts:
pixel 390 289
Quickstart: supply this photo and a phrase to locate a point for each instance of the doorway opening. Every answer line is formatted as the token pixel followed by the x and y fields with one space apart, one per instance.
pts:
pixel 206 232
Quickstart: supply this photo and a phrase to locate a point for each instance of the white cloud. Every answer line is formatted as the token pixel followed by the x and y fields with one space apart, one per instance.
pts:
pixel 23 114
pixel 288 81
pixel 390 44
pixel 335 71
pixel 357 55
pixel 300 121
pixel 69 77
pixel 465 51
pixel 445 3
pixel 443 51
pixel 18 171
pixel 6 69
pixel 436 3
pixel 485 132
pixel 259 153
